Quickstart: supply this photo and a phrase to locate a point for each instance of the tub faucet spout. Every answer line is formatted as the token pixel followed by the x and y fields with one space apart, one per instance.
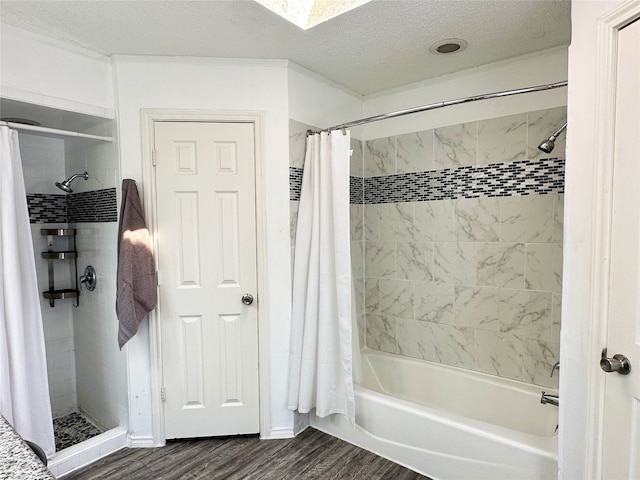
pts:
pixel 550 399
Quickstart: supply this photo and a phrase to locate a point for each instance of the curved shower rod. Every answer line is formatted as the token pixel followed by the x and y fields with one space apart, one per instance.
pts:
pixel 448 103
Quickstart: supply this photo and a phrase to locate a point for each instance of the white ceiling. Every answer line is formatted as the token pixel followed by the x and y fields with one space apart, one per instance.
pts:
pixel 381 45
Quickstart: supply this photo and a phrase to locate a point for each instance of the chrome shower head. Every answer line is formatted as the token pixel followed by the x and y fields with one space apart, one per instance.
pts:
pixel 547 145
pixel 65 185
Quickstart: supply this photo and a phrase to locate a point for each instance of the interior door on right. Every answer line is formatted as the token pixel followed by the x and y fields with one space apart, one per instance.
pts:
pixel 621 442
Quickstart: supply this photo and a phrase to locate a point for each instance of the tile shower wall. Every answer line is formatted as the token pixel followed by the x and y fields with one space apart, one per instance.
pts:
pixel 459 231
pixel 85 331
pixel 100 365
pixel 92 208
pixel 36 152
pixel 464 263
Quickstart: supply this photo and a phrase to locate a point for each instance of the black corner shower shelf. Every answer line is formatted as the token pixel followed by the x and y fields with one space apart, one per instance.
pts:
pixel 52 255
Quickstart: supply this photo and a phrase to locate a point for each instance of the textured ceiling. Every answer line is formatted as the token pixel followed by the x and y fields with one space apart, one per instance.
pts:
pixel 378 46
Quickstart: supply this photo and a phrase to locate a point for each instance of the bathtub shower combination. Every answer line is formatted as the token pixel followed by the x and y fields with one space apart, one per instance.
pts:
pixel 456 258
pixel 446 422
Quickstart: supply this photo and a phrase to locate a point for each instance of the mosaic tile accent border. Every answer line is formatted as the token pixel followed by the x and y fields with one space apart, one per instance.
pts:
pixel 496 180
pixel 47 208
pixel 94 206
pixel 356 186
pixel 356 190
pixel 295 183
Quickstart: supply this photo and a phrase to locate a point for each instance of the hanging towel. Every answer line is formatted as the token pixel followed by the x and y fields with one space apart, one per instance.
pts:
pixel 137 288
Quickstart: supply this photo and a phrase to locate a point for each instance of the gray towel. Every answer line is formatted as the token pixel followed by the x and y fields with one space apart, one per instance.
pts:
pixel 137 288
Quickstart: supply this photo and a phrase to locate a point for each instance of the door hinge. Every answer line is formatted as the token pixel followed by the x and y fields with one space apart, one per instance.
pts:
pixel 153 158
pixel 163 394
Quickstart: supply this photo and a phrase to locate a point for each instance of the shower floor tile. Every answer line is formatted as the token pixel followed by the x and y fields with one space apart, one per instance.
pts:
pixel 72 429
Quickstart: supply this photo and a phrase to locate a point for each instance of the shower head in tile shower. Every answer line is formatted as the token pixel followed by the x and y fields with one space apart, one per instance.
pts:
pixel 547 145
pixel 65 185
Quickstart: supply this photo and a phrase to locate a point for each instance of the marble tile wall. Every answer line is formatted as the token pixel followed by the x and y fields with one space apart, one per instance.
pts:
pixel 468 282
pixel 467 276
pixel 497 140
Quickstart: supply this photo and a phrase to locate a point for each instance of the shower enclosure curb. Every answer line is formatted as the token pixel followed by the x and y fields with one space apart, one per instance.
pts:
pixel 87 452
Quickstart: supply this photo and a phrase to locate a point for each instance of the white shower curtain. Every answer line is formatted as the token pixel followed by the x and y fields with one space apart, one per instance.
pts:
pixel 24 389
pixel 320 355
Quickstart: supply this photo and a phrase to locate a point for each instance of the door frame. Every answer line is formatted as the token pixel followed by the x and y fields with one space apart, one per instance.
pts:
pixel 149 116
pixel 591 322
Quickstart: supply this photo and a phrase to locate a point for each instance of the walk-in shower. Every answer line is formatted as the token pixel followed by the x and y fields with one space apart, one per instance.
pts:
pixel 86 371
pixel 65 185
pixel 549 144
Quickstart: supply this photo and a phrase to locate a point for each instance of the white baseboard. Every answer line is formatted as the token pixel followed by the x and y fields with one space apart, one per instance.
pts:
pixel 141 441
pixel 278 432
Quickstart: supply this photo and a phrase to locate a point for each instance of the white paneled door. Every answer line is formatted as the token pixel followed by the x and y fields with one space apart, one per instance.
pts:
pixel 621 442
pixel 205 184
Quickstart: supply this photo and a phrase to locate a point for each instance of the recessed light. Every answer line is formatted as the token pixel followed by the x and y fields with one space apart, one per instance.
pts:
pixel 449 45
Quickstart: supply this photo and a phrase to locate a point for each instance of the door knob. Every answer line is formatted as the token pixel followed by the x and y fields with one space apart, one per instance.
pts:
pixel 247 299
pixel 619 363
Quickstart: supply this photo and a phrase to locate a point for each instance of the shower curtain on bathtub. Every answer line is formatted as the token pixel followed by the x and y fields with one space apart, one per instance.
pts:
pixel 24 389
pixel 320 355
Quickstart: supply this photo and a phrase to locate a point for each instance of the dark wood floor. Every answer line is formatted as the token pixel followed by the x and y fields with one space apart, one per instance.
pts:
pixel 311 455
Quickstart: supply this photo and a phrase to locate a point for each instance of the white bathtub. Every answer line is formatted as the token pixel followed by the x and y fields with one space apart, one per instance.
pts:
pixel 449 423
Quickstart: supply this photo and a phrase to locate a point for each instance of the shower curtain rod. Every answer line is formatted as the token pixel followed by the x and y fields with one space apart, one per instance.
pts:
pixel 433 106
pixel 54 131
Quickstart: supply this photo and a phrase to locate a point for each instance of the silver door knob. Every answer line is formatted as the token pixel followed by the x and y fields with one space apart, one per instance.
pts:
pixel 247 299
pixel 619 363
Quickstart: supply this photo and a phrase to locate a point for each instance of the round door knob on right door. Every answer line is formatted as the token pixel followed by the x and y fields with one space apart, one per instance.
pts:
pixel 618 363
pixel 247 299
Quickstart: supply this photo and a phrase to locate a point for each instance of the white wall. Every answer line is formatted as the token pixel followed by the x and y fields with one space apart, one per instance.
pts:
pixel 315 101
pixel 36 70
pixel 525 71
pixel 216 85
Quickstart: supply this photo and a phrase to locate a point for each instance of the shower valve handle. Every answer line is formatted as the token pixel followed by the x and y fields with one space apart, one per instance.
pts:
pixel 89 279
